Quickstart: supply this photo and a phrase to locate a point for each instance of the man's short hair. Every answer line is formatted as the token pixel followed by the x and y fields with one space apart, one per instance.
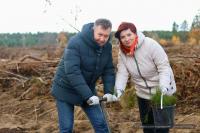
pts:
pixel 105 23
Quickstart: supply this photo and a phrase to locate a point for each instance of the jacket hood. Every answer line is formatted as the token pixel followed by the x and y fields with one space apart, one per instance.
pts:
pixel 141 38
pixel 87 33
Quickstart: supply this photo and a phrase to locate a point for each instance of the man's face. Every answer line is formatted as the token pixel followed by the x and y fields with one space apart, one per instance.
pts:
pixel 101 35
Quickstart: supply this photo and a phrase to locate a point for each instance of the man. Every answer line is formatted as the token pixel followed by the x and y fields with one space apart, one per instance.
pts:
pixel 87 57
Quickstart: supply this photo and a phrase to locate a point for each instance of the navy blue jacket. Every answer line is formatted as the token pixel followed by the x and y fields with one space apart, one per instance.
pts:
pixel 83 62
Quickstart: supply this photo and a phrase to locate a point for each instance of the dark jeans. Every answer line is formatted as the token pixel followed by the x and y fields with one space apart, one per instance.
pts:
pixel 146 116
pixel 66 117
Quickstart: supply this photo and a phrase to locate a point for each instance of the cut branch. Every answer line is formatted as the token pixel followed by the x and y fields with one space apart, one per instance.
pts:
pixel 183 56
pixel 31 57
pixel 17 75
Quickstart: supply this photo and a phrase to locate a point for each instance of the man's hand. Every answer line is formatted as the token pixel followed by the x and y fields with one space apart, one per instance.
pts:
pixel 110 98
pixel 94 100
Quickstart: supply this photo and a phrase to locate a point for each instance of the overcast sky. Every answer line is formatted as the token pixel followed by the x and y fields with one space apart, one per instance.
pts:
pixel 40 16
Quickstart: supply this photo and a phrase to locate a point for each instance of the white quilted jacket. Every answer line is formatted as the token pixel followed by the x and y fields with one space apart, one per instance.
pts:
pixel 153 64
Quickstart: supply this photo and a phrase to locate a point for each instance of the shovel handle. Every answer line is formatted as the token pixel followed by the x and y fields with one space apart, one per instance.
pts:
pixel 101 99
pixel 161 101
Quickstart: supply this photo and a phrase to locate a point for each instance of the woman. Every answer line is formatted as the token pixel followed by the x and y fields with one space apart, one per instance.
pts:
pixel 147 63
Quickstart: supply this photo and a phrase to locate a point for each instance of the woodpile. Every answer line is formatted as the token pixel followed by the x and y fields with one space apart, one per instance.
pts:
pixel 29 77
pixel 185 62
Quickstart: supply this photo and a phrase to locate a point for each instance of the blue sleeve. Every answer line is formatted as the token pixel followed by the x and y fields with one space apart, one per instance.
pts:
pixel 73 71
pixel 108 75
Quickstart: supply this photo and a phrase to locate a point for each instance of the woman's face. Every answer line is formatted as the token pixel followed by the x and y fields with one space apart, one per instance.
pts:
pixel 127 37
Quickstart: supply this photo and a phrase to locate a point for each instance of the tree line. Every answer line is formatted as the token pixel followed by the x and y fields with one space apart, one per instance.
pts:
pixel 30 39
pixel 180 33
pixel 27 39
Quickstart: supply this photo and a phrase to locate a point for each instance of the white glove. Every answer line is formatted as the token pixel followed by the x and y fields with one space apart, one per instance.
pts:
pixel 110 98
pixel 119 93
pixel 167 91
pixel 94 100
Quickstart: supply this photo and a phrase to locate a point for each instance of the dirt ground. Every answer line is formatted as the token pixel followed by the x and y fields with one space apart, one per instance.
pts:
pixel 26 105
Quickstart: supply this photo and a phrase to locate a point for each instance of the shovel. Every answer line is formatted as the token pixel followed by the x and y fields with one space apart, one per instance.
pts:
pixel 102 105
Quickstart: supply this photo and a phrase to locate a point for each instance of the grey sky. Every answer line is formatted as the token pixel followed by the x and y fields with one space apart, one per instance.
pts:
pixel 38 15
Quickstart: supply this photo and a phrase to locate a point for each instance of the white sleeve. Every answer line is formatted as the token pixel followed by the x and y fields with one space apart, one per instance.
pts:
pixel 122 75
pixel 166 77
pixel 172 82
